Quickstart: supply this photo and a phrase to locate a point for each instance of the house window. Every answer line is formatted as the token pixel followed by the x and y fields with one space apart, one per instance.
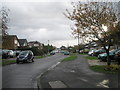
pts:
pixel 15 41
pixel 36 44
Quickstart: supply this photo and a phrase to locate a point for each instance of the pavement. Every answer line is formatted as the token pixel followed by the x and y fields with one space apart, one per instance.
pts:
pixel 76 74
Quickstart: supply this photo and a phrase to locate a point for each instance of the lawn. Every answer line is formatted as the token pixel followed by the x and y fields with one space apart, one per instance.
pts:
pixel 91 57
pixel 113 69
pixel 7 62
pixel 70 58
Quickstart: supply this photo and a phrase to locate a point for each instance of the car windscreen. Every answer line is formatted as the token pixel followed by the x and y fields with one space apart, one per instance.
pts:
pixel 23 53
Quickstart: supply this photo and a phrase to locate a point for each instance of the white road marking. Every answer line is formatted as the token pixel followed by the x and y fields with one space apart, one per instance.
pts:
pixel 57 84
pixel 104 83
pixel 53 66
pixel 84 80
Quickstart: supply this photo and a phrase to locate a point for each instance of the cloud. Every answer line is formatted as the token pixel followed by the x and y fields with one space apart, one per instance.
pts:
pixel 41 21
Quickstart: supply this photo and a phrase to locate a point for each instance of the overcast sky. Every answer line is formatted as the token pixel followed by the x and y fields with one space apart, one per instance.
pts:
pixel 41 20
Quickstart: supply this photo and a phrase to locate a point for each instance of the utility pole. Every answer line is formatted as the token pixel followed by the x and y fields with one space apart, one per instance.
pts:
pixel 48 46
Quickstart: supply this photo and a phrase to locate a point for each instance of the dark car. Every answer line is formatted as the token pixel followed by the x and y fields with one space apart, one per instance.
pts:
pixel 66 53
pixel 52 53
pixel 97 52
pixel 103 57
pixel 25 56
pixel 17 52
pixel 117 57
pixel 5 54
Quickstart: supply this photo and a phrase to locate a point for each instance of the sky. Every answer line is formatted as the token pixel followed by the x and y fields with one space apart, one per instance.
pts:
pixel 41 20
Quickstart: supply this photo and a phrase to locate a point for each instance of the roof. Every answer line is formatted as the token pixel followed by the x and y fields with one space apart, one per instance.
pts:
pixel 22 41
pixel 35 42
pixel 10 36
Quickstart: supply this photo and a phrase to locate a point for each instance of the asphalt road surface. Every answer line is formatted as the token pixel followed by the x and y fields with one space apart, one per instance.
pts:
pixel 76 74
pixel 24 75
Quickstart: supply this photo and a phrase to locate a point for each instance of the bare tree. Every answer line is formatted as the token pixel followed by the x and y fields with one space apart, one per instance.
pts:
pixel 91 18
pixel 4 19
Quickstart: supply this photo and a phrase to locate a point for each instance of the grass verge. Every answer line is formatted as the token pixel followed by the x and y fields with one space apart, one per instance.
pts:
pixel 91 57
pixel 7 62
pixel 70 58
pixel 39 57
pixel 83 54
pixel 104 69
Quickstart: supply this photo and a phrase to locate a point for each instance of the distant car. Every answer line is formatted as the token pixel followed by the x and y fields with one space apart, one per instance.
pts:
pixel 91 52
pixel 66 53
pixel 103 56
pixel 97 52
pixel 52 53
pixel 81 51
pixel 25 56
pixel 117 57
pixel 86 50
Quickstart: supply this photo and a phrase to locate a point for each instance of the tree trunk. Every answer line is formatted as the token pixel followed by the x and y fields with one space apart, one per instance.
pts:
pixel 108 58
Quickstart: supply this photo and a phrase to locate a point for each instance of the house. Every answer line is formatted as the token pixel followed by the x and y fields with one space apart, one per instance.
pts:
pixel 35 44
pixel 10 42
pixel 63 48
pixel 23 42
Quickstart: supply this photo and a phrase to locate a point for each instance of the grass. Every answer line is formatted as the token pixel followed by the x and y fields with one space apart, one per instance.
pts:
pixel 7 62
pixel 104 69
pixel 83 54
pixel 70 58
pixel 91 57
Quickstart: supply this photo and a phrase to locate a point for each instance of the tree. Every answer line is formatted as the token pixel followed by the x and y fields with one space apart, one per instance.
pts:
pixel 4 19
pixel 90 19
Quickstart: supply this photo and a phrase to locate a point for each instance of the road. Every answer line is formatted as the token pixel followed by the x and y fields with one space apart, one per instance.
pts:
pixel 76 74
pixel 24 75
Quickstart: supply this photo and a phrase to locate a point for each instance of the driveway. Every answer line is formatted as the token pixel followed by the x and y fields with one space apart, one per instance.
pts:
pixel 24 75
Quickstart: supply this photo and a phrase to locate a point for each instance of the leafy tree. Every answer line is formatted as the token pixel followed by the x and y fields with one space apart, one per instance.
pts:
pixel 90 18
pixel 4 19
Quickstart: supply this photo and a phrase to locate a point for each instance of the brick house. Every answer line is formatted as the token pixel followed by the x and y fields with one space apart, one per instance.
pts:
pixel 10 42
pixel 23 42
pixel 35 44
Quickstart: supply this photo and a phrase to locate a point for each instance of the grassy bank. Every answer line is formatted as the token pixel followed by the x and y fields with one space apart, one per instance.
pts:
pixel 113 69
pixel 7 62
pixel 91 57
pixel 70 58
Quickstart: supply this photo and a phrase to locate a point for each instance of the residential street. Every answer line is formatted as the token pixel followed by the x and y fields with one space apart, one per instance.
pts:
pixel 76 74
pixel 24 75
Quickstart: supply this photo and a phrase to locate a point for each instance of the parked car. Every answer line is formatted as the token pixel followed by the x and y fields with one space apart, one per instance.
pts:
pixel 52 53
pixel 117 57
pixel 5 54
pixel 91 52
pixel 25 56
pixel 11 53
pixel 66 53
pixel 81 51
pixel 103 56
pixel 17 52
pixel 86 50
pixel 97 52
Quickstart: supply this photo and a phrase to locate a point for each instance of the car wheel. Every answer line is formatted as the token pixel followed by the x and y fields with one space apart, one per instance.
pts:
pixel 17 62
pixel 32 60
